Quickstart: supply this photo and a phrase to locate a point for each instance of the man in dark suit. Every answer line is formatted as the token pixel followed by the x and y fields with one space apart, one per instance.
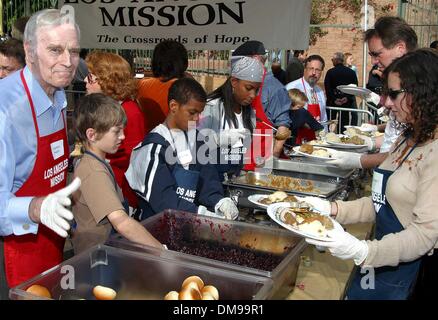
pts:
pixel 340 75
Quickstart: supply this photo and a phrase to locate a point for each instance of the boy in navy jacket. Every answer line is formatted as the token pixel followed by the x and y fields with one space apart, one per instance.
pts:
pixel 165 170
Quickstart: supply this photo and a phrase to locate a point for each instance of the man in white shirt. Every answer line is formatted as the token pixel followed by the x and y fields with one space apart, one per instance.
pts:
pixel 391 38
pixel 313 67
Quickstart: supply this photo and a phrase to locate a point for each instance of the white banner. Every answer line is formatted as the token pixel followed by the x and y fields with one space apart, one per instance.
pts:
pixel 207 24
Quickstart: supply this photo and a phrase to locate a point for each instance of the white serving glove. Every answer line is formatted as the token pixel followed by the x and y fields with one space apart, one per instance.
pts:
pixel 345 246
pixel 369 141
pixel 346 160
pixel 369 126
pixel 321 205
pixel 205 212
pixel 230 137
pixel 54 215
pixel 227 209
pixel 374 98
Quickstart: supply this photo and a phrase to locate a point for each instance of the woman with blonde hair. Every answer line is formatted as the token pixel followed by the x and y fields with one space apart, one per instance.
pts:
pixel 111 75
pixel 349 61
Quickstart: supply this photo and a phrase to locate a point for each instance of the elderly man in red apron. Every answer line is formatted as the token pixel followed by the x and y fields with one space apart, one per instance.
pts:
pixel 33 192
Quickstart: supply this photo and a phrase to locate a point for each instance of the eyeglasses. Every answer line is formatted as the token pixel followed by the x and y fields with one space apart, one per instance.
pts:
pixel 316 70
pixel 90 79
pixel 393 94
pixel 375 54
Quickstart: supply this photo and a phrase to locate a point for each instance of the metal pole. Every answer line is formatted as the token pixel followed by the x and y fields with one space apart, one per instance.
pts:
pixel 27 8
pixel 1 17
pixel 365 51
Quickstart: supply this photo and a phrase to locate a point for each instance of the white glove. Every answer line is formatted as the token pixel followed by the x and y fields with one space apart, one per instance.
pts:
pixel 54 215
pixel 227 209
pixel 369 126
pixel 346 160
pixel 204 212
pixel 230 137
pixel 369 141
pixel 345 246
pixel 373 98
pixel 323 206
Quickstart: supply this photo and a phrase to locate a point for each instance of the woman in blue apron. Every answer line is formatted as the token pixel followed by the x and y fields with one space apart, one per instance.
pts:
pixel 165 170
pixel 404 189
pixel 230 115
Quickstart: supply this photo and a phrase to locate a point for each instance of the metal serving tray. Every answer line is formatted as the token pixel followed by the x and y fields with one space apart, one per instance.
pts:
pixel 138 276
pixel 244 185
pixel 311 166
pixel 220 244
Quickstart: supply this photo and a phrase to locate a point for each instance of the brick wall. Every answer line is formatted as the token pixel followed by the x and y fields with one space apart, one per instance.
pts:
pixel 344 40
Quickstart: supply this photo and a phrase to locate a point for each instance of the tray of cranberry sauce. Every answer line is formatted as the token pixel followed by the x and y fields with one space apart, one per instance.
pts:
pixel 256 249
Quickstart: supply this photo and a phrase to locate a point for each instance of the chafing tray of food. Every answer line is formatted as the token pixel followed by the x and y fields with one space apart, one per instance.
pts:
pixel 311 166
pixel 256 182
pixel 227 245
pixel 132 275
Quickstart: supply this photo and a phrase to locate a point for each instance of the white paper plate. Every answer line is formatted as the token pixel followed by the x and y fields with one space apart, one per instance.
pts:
pixel 355 91
pixel 363 129
pixel 255 198
pixel 272 212
pixel 320 143
pixel 331 152
pixel 346 145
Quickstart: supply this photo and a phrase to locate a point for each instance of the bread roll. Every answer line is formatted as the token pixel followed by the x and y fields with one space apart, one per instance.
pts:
pixel 210 290
pixel 172 295
pixel 207 296
pixel 39 291
pixel 193 279
pixel 104 293
pixel 189 294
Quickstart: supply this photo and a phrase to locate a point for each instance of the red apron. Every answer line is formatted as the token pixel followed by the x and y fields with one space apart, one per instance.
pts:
pixel 30 254
pixel 314 109
pixel 258 144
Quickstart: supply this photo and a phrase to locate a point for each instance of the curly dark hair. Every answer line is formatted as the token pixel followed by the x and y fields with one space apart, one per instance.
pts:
pixel 169 60
pixel 418 72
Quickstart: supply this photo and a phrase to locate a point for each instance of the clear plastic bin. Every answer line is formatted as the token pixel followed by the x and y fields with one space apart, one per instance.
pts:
pixel 231 245
pixel 138 276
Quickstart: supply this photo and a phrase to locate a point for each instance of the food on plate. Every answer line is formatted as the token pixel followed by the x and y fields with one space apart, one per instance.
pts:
pixel 355 132
pixel 317 143
pixel 314 227
pixel 306 221
pixel 353 140
pixel 332 137
pixel 278 196
pixel 193 288
pixel 104 293
pixel 39 291
pixel 318 152
pixel 306 148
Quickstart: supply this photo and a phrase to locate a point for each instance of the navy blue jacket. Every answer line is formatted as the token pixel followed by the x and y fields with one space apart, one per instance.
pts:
pixel 152 179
